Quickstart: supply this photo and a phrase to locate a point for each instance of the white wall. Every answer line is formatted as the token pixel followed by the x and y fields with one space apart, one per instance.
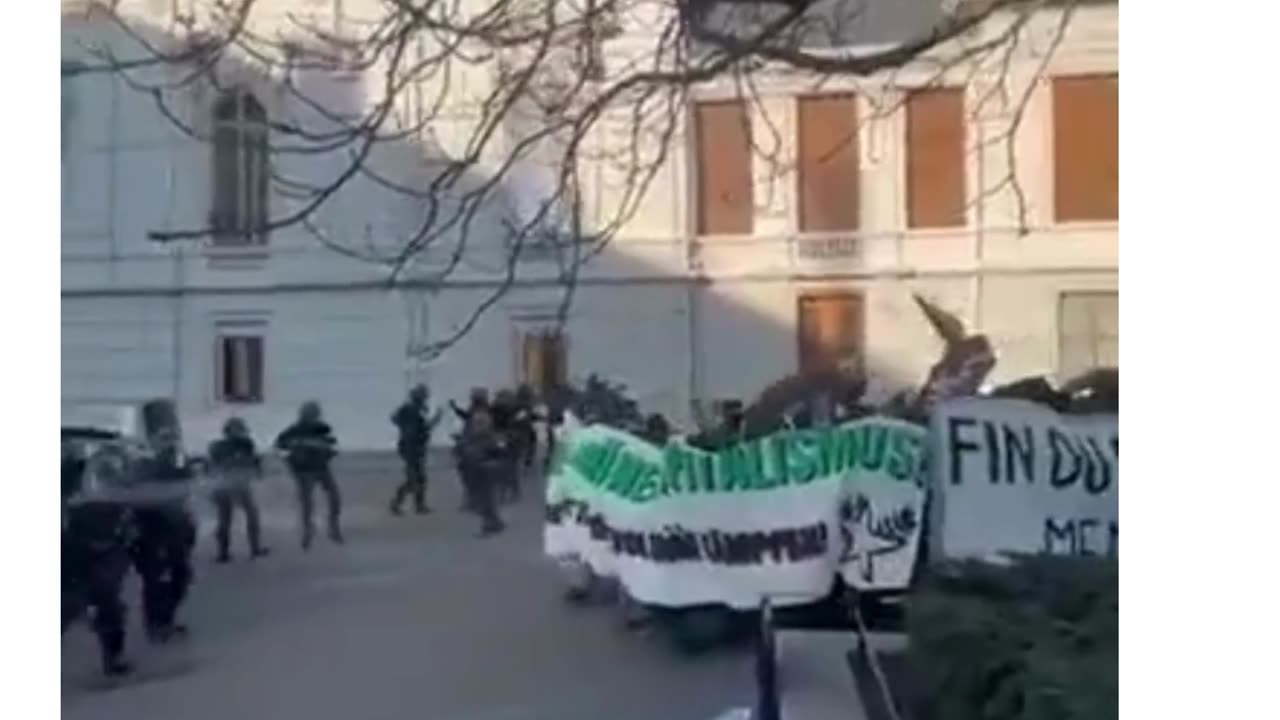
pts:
pixel 335 334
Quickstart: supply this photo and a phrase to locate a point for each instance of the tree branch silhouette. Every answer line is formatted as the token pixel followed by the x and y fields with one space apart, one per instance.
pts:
pixel 568 86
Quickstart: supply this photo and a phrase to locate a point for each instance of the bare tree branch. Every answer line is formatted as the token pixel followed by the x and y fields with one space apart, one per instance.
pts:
pixel 569 86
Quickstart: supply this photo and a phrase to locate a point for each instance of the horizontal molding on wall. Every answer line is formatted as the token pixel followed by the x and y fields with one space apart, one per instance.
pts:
pixel 669 279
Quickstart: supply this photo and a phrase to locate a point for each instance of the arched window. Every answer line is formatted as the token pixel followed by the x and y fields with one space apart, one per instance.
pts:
pixel 241 174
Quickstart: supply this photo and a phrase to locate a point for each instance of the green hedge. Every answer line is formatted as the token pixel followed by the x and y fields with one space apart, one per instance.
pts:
pixel 1035 640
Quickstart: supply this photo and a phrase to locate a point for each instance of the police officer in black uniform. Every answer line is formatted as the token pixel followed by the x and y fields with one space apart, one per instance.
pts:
pixel 235 462
pixel 95 561
pixel 478 400
pixel 166 537
pixel 526 422
pixel 415 428
pixel 505 412
pixel 310 447
pixel 482 457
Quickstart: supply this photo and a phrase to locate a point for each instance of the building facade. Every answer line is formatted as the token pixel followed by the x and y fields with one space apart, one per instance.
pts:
pixel 785 230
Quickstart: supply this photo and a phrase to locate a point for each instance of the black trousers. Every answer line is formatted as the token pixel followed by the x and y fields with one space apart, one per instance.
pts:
pixel 162 557
pixel 479 480
pixel 307 482
pixel 551 448
pixel 92 581
pixel 508 480
pixel 527 444
pixel 415 482
pixel 226 501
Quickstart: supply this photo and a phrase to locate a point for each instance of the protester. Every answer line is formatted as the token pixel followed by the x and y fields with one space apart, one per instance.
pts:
pixel 310 446
pixel 657 430
pixel 729 431
pixel 165 541
pixel 235 463
pixel 415 430
pixel 481 455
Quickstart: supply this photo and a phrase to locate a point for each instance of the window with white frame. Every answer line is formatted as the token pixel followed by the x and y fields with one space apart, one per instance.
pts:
pixel 241 171
pixel 1088 332
pixel 239 362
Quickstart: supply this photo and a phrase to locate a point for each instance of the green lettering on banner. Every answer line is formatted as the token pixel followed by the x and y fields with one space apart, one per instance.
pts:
pixel 803 457
pixel 630 468
pixel 733 474
pixel 648 486
pixel 625 474
pixel 675 463
pixel 774 463
pixel 837 451
pixel 586 460
pixel 751 457
pixel 902 458
pixel 874 444
pixel 706 470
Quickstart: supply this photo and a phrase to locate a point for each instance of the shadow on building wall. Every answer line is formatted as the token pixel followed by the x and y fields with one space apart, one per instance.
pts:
pixel 672 337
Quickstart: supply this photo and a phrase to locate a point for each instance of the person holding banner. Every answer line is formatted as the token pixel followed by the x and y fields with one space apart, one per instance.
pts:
pixel 235 464
pixel 657 430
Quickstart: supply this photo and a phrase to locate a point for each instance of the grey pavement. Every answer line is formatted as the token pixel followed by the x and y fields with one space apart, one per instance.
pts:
pixel 414 617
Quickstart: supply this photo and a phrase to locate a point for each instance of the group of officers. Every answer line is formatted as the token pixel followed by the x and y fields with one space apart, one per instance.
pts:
pixel 494 449
pixel 149 526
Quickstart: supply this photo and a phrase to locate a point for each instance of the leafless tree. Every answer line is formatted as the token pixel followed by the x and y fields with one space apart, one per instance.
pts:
pixel 576 84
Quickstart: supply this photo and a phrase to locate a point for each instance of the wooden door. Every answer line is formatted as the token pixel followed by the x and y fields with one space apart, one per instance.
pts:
pixel 544 359
pixel 829 330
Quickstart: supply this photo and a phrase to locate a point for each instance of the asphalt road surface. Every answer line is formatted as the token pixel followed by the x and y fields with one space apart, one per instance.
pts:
pixel 414 617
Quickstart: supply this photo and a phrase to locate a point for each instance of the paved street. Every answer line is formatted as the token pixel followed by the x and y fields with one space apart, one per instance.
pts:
pixel 413 618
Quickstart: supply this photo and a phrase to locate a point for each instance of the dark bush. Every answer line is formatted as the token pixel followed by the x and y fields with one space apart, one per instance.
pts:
pixel 1034 640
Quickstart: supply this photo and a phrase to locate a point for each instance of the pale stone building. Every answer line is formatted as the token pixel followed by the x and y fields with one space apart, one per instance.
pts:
pixel 794 238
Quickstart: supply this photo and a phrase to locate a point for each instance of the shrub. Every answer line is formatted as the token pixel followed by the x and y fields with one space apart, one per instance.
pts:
pixel 1034 640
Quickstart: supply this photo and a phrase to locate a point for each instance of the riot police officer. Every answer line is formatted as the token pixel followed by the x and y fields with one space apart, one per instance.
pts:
pixel 482 457
pixel 166 538
pixel 415 430
pixel 95 560
pixel 310 447
pixel 526 424
pixel 504 412
pixel 235 462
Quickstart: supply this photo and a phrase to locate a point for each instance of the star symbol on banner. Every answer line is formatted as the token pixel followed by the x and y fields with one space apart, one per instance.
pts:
pixel 867 537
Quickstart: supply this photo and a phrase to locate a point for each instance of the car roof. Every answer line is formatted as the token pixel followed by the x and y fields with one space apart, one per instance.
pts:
pixel 88 433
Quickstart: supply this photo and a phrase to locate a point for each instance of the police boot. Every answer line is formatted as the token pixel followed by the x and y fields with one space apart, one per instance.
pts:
pixel 116 667
pixel 163 634
pixel 113 662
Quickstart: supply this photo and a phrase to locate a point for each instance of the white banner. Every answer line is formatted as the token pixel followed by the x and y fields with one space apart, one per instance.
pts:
pixel 1013 476
pixel 776 517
